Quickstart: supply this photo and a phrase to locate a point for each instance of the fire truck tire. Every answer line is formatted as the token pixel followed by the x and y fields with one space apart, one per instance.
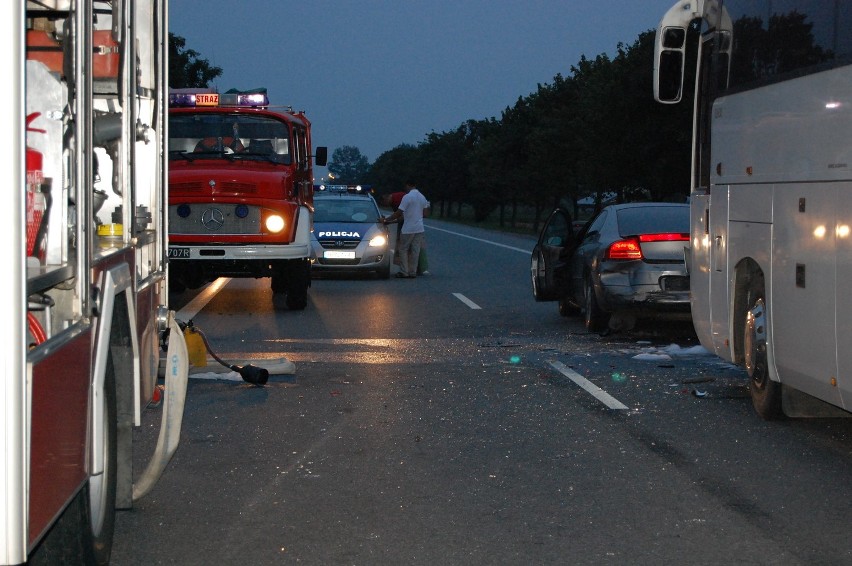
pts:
pixel 280 277
pixel 63 543
pixel 102 489
pixel 176 285
pixel 297 285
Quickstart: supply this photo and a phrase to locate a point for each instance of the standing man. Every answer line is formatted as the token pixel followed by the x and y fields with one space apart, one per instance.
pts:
pixel 412 209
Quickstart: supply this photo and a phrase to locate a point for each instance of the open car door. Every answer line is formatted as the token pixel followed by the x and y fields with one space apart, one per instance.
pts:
pixel 549 256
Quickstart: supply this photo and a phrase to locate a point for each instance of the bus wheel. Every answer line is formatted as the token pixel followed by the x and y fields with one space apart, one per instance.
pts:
pixel 765 393
pixel 595 318
pixel 102 488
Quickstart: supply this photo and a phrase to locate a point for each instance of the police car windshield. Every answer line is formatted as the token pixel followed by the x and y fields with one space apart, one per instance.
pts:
pixel 334 209
pixel 208 135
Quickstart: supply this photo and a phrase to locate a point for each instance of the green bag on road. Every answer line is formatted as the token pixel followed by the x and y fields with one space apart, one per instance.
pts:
pixel 422 262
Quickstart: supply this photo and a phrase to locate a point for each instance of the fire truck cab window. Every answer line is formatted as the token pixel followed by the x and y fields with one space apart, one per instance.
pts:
pixel 301 143
pixel 255 137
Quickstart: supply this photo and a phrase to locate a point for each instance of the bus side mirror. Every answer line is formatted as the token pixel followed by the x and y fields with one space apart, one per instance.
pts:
pixel 669 51
pixel 321 156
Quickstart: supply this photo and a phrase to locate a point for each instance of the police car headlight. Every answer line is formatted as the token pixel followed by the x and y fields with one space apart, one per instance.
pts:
pixel 378 241
pixel 274 223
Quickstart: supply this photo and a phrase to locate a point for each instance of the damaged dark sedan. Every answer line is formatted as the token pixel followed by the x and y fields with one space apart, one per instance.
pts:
pixel 625 264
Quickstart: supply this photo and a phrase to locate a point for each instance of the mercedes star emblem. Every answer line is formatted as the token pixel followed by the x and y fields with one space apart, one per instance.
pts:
pixel 213 219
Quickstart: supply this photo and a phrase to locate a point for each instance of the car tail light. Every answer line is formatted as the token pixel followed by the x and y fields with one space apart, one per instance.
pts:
pixel 631 248
pixel 628 248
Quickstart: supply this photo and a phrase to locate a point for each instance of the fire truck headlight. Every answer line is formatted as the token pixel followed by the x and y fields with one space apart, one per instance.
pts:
pixel 378 242
pixel 274 223
pixel 183 210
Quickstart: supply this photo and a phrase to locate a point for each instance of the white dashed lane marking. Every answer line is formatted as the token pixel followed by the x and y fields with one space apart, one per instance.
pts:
pixel 467 301
pixel 595 391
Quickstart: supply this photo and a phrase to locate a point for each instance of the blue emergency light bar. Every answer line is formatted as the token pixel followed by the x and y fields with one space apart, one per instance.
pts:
pixel 245 99
pixel 353 189
pixel 191 98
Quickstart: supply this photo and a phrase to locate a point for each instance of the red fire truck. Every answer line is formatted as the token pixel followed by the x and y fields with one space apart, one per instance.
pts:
pixel 83 254
pixel 240 192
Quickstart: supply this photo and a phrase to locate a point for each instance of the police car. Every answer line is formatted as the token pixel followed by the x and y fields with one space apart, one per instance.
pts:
pixel 348 235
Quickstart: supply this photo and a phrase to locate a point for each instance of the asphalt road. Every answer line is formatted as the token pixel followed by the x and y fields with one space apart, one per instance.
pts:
pixel 440 421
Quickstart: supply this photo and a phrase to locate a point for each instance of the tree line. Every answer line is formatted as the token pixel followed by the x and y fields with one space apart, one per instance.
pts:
pixel 596 132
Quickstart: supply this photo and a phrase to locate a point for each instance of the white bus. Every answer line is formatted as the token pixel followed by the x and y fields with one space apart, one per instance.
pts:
pixel 771 190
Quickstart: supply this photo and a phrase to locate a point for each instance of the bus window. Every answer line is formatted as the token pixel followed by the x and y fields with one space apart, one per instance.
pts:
pixel 774 39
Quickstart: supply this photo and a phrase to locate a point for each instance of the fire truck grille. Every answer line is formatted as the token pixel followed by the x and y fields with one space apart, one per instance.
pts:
pixel 338 244
pixel 237 188
pixel 213 219
pixel 186 187
pixel 224 188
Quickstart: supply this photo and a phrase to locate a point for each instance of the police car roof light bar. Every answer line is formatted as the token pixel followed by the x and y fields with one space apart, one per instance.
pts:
pixel 354 189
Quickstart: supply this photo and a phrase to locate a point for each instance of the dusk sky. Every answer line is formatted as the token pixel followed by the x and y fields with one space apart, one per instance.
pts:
pixel 375 74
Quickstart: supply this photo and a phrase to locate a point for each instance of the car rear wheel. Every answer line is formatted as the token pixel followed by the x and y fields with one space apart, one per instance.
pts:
pixel 595 318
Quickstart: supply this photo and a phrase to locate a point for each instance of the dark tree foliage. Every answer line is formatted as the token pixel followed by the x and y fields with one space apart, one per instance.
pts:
pixel 186 69
pixel 390 171
pixel 348 165
pixel 596 131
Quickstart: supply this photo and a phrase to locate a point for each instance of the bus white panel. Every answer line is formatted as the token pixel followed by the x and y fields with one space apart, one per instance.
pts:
pixel 843 233
pixel 802 315
pixel 751 203
pixel 752 138
pixel 719 291
pixel 699 270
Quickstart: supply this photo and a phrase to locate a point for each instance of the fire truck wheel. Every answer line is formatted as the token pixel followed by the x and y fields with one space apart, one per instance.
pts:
pixel 101 500
pixel 176 285
pixel 297 285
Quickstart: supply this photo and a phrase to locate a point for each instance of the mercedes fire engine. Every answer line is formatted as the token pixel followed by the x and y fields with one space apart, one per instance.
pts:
pixel 240 192
pixel 84 237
